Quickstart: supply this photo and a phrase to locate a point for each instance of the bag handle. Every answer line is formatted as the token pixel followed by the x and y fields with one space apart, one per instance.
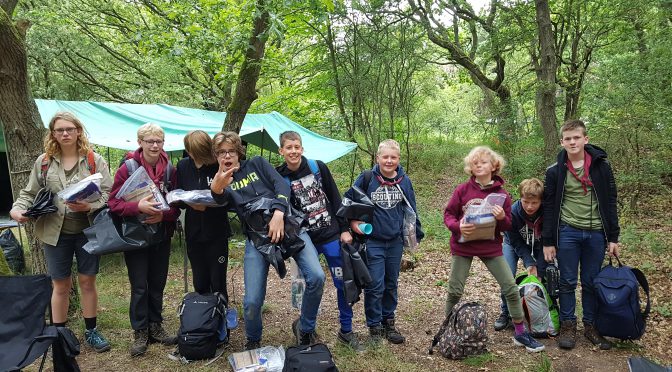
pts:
pixel 645 285
pixel 404 197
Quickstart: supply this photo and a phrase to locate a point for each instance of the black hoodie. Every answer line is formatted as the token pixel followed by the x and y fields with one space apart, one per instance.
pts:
pixel 211 224
pixel 604 185
pixel 318 199
pixel 256 178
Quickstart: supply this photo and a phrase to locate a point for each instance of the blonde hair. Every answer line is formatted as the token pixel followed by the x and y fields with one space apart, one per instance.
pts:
pixel 149 129
pixel 199 146
pixel 389 144
pixel 231 138
pixel 531 188
pixel 51 146
pixel 480 152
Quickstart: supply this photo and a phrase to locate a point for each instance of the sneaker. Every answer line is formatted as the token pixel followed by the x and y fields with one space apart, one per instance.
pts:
pixel 158 334
pixel 350 339
pixel 303 338
pixel 502 322
pixel 594 336
pixel 96 340
pixel 391 333
pixel 376 334
pixel 531 345
pixel 567 337
pixel 140 341
pixel 251 345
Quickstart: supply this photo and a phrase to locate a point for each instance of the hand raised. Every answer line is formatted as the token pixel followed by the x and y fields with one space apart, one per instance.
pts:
pixel 222 179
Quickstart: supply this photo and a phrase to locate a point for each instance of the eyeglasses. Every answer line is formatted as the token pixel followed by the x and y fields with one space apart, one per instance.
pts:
pixel 153 142
pixel 231 153
pixel 60 131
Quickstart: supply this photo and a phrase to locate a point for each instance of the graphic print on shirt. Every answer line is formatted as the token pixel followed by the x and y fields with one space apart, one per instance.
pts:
pixel 386 196
pixel 307 191
pixel 249 178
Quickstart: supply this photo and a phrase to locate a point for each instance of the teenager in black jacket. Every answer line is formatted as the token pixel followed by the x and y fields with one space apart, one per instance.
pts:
pixel 580 223
pixel 207 229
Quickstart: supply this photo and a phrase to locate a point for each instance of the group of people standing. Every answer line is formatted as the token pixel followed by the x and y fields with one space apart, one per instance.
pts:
pixel 219 164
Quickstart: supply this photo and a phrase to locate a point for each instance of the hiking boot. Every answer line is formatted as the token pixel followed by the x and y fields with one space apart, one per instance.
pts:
pixel 376 334
pixel 96 340
pixel 251 345
pixel 391 333
pixel 303 338
pixel 141 339
pixel 531 345
pixel 594 336
pixel 502 322
pixel 350 339
pixel 158 334
pixel 567 337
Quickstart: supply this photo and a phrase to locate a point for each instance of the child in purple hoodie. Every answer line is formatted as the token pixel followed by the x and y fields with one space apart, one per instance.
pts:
pixel 484 166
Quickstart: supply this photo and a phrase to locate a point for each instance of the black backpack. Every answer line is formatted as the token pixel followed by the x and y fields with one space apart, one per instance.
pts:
pixel 309 358
pixel 201 319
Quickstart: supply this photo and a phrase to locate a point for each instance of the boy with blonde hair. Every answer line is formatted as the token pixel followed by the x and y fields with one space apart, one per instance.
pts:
pixel 523 241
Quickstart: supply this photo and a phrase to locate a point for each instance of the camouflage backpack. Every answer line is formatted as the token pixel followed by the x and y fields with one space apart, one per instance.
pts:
pixel 463 333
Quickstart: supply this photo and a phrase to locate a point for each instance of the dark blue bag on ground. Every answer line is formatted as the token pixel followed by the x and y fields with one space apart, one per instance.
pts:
pixel 202 320
pixel 618 312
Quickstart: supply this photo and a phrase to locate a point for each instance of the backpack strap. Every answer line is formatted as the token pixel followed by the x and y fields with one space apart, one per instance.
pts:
pixel 645 285
pixel 44 168
pixel 314 169
pixel 368 174
pixel 131 165
pixel 91 162
pixel 166 175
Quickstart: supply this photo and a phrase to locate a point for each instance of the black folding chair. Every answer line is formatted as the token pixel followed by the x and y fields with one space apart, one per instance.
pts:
pixel 24 335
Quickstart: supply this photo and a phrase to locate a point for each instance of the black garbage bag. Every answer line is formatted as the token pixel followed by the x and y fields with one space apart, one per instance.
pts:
pixel 43 204
pixel 356 274
pixel 13 252
pixel 257 215
pixel 65 350
pixel 360 207
pixel 110 233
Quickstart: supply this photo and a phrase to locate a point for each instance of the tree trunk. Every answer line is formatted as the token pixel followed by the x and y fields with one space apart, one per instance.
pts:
pixel 546 86
pixel 246 87
pixel 21 122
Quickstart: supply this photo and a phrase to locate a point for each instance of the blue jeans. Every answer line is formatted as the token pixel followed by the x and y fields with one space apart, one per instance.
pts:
pixel 384 263
pixel 332 252
pixel 512 258
pixel 255 270
pixel 585 247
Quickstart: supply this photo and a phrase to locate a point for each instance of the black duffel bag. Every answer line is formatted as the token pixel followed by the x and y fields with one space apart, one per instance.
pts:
pixel 110 233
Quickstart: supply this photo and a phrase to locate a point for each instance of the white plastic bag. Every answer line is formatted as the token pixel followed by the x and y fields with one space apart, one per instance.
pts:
pixel 482 218
pixel 138 186
pixel 298 284
pixel 194 197
pixel 267 359
pixel 87 190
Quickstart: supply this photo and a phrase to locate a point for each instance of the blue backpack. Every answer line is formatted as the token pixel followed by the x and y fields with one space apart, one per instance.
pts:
pixel 618 312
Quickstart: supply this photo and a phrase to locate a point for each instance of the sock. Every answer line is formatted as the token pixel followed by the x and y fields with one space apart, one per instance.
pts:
pixel 90 323
pixel 59 324
pixel 519 328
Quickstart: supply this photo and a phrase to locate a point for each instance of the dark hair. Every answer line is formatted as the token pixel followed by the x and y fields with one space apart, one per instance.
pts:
pixel 289 135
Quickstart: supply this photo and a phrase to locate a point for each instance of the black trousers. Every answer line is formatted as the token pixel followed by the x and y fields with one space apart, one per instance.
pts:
pixel 147 272
pixel 209 263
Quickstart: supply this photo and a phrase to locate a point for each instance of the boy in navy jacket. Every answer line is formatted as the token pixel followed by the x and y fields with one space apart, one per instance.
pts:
pixel 314 192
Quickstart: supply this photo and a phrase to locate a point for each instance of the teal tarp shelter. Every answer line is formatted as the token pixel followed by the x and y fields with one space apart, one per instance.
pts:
pixel 115 125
